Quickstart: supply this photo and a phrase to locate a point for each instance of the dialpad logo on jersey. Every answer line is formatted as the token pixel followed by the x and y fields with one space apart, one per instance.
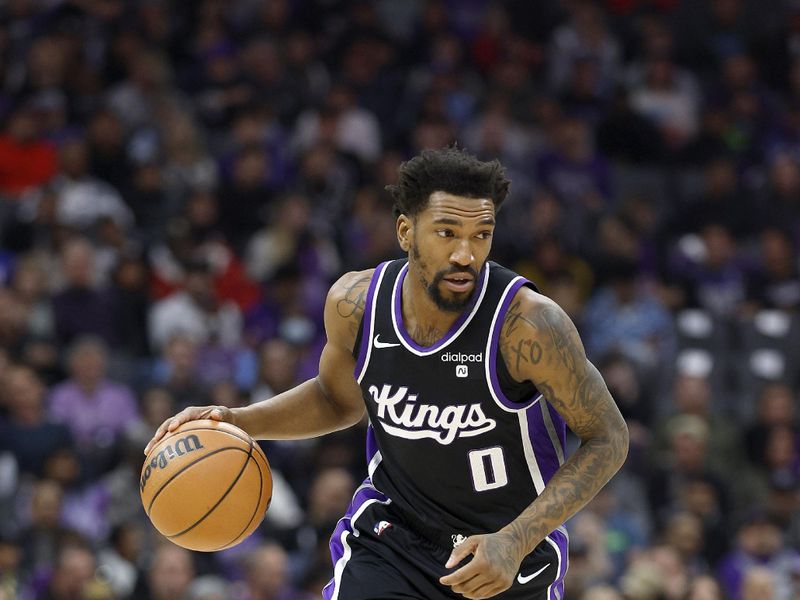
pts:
pixel 460 357
pixel 402 416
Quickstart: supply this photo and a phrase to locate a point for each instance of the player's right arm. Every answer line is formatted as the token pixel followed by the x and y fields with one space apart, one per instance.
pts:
pixel 326 403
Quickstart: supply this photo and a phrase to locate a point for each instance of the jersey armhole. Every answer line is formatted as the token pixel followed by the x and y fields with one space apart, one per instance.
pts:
pixel 363 343
pixel 509 394
pixel 517 392
pixel 359 335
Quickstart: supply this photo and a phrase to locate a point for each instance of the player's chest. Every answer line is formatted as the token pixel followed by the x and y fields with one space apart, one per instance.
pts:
pixel 442 398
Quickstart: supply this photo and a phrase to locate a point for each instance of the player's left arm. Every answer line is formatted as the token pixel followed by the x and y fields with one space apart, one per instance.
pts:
pixel 539 343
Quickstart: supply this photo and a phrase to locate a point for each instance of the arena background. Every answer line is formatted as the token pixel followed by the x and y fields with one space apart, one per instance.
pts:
pixel 181 181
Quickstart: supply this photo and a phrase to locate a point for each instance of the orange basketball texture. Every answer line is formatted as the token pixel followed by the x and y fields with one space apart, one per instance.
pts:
pixel 206 485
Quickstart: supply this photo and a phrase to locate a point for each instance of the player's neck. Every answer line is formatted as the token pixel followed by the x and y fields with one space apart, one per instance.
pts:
pixel 425 322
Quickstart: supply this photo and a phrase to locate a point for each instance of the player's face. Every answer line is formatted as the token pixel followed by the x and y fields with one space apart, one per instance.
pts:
pixel 448 243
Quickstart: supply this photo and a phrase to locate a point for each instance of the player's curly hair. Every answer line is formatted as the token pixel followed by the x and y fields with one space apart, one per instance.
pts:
pixel 452 170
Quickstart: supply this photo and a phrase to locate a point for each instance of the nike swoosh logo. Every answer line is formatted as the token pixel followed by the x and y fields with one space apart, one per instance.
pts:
pixel 527 578
pixel 383 344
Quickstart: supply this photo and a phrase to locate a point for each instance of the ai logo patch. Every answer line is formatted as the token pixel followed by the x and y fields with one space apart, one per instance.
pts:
pixel 462 371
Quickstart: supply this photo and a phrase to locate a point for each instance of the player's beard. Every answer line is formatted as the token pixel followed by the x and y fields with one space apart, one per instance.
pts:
pixel 454 304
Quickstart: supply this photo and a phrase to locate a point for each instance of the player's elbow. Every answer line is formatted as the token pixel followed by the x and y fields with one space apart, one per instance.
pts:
pixel 350 414
pixel 345 409
pixel 619 442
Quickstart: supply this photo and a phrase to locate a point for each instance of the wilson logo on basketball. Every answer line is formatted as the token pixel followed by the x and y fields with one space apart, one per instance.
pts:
pixel 185 445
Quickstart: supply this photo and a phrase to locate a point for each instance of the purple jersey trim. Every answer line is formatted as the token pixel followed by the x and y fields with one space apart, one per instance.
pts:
pixel 545 453
pixel 469 311
pixel 372 444
pixel 346 525
pixel 561 427
pixel 491 355
pixel 367 319
pixel 559 539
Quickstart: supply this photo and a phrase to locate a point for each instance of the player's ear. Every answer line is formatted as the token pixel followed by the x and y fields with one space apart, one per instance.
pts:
pixel 404 230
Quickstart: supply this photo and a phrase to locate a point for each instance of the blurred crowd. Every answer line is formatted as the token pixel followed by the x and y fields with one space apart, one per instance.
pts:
pixel 180 182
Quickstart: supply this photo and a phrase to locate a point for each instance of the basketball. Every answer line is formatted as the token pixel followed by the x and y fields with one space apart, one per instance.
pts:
pixel 206 485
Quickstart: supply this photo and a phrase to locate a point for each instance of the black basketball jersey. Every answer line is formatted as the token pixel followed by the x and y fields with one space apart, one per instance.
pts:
pixel 452 440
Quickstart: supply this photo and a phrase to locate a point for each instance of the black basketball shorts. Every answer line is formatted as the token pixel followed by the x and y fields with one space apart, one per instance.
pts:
pixel 379 555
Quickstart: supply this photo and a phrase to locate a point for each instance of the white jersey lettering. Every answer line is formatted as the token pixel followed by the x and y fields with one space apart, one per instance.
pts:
pixel 400 415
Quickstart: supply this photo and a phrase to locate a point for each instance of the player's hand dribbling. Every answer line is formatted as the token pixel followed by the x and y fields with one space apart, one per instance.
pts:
pixel 492 569
pixel 190 413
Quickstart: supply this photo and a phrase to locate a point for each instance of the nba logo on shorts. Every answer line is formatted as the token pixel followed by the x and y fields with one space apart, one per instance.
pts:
pixel 381 526
pixel 462 370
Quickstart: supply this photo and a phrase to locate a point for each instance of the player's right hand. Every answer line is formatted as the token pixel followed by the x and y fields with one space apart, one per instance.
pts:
pixel 190 413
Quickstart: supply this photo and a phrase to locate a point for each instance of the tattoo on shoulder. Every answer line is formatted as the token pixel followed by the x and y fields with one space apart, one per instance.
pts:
pixel 522 349
pixel 542 334
pixel 351 305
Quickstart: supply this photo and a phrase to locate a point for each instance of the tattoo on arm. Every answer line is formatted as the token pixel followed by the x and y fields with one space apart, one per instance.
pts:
pixel 500 550
pixel 351 306
pixel 515 319
pixel 526 351
pixel 519 349
pixel 541 342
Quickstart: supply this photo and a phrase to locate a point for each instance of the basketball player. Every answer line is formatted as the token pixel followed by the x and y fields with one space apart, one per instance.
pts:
pixel 469 377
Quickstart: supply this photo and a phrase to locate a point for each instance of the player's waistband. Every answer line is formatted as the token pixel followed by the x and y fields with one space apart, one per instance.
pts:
pixel 449 539
pixel 446 539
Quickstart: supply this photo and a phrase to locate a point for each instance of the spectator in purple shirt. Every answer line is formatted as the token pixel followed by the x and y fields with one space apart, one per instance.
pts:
pixel 715 277
pixel 758 543
pixel 82 307
pixel 572 169
pixel 96 410
pixel 578 176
